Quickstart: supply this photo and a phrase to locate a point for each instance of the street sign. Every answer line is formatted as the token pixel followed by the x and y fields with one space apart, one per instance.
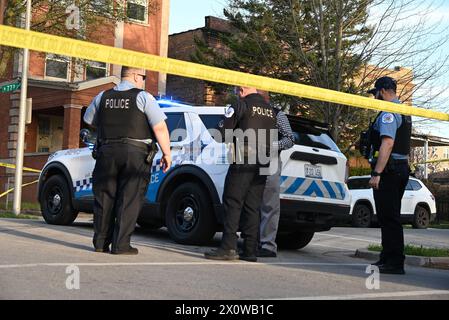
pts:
pixel 10 87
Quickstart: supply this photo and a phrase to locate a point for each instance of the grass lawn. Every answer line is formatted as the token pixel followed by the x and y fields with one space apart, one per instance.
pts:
pixel 441 225
pixel 417 251
pixel 24 206
pixel 10 215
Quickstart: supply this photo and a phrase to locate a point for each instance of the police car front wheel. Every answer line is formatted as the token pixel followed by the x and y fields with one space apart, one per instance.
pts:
pixel 189 215
pixel 55 200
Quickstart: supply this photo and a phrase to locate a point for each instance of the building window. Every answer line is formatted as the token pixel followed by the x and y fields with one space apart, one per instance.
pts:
pixel 95 70
pixel 446 153
pixel 57 67
pixel 50 133
pixel 137 10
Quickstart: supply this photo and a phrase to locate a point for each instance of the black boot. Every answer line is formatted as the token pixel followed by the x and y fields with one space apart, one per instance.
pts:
pixel 130 252
pixel 391 269
pixel 221 254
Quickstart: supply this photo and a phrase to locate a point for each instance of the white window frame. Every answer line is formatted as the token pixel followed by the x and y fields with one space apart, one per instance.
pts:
pixel 107 67
pixel 142 3
pixel 53 57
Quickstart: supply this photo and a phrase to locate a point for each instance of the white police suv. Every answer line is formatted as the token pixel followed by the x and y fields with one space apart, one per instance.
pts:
pixel 188 198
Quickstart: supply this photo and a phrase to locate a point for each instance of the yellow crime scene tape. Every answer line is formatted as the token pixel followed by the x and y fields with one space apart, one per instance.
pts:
pixel 432 161
pixel 19 38
pixel 12 189
pixel 12 166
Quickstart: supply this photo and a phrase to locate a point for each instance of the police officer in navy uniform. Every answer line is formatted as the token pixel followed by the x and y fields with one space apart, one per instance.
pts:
pixel 128 120
pixel 390 148
pixel 245 181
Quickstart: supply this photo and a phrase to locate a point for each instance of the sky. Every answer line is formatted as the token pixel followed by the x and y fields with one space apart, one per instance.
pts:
pixel 189 14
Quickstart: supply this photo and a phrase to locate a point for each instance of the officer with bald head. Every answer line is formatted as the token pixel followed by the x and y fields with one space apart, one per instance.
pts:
pixel 128 121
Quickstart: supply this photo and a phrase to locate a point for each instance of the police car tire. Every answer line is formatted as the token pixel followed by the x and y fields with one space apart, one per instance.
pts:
pixel 65 213
pixel 294 240
pixel 357 220
pixel 421 218
pixel 148 225
pixel 205 226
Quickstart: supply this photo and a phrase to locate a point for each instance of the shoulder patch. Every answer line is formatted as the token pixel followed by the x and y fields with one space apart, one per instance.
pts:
pixel 388 118
pixel 230 112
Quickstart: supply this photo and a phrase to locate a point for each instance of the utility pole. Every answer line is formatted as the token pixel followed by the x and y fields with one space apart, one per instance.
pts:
pixel 22 118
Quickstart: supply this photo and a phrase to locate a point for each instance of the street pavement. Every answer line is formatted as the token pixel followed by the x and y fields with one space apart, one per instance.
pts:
pixel 39 261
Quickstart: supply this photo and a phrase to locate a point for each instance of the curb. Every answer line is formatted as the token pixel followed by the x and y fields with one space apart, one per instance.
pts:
pixel 441 262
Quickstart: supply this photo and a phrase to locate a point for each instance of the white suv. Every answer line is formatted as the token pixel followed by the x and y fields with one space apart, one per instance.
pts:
pixel 418 204
pixel 188 198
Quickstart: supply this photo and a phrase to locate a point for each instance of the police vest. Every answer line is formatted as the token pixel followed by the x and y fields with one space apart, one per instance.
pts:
pixel 402 140
pixel 119 116
pixel 261 117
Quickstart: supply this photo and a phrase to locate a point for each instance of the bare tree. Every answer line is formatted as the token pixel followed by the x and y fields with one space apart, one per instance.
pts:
pixel 408 43
pixel 343 45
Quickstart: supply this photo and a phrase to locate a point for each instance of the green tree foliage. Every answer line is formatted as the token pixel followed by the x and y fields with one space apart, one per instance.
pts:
pixel 307 41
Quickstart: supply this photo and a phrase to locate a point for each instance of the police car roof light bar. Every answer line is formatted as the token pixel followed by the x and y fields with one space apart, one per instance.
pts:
pixel 170 103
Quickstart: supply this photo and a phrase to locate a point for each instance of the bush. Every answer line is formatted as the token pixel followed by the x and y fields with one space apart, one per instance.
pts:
pixel 359 172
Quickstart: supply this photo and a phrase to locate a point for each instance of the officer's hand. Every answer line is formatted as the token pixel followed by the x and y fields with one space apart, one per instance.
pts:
pixel 374 183
pixel 166 163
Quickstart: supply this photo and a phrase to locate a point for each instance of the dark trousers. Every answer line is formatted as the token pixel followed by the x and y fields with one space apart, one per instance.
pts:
pixel 120 182
pixel 242 198
pixel 388 207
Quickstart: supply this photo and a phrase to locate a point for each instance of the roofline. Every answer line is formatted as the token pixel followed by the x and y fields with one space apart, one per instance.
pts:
pixel 191 30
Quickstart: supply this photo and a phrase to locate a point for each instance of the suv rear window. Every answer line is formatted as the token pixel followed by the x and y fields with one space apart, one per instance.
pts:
pixel 358 184
pixel 322 141
pixel 413 185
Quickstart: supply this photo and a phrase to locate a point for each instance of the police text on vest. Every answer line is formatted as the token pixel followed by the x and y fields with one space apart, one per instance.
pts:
pixel 263 112
pixel 117 103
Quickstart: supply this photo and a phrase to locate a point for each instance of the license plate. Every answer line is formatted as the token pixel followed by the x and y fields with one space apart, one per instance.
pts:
pixel 315 172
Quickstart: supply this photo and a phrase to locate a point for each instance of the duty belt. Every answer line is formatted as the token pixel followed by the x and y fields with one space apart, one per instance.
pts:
pixel 139 144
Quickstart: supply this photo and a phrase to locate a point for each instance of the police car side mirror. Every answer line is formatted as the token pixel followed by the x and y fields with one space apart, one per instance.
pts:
pixel 87 137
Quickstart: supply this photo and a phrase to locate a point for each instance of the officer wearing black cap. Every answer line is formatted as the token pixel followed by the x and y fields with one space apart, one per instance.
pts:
pixel 246 179
pixel 128 121
pixel 390 136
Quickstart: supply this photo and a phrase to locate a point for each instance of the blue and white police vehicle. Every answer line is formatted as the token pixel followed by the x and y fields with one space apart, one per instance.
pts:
pixel 187 200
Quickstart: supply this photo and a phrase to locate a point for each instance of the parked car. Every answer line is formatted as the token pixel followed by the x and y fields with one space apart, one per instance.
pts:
pixel 418 204
pixel 188 198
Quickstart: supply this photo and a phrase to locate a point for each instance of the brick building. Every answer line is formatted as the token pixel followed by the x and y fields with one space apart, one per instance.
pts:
pixel 62 88
pixel 182 46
